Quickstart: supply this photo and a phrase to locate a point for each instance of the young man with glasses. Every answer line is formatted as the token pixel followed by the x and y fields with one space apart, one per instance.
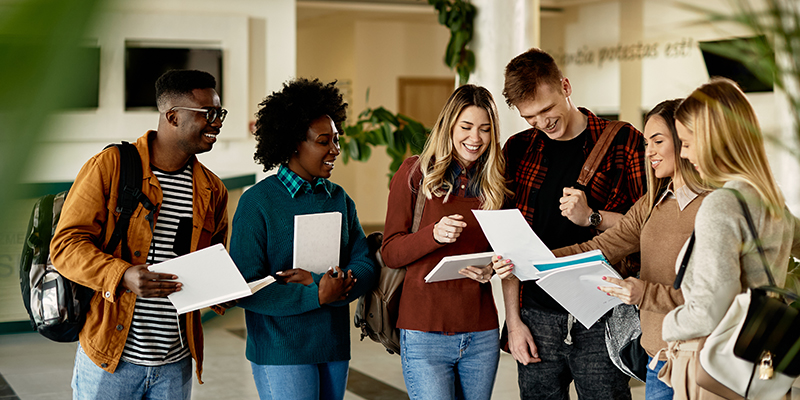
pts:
pixel 132 345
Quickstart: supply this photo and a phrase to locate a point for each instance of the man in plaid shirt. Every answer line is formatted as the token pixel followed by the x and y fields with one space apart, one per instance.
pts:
pixel 543 164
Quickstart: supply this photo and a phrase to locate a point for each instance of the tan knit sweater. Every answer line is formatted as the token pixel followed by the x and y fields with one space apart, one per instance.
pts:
pixel 659 240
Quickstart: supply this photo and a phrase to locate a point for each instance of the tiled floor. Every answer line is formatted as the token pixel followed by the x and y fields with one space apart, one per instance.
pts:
pixel 38 369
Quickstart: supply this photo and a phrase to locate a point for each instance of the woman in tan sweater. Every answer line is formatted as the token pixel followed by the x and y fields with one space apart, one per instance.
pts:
pixel 656 226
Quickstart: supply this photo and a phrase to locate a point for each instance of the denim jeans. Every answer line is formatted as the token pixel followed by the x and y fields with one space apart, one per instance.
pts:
pixel 654 389
pixel 130 381
pixel 438 366
pixel 585 360
pixel 327 381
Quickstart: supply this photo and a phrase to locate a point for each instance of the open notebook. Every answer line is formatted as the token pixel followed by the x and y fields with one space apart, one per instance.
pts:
pixel 209 277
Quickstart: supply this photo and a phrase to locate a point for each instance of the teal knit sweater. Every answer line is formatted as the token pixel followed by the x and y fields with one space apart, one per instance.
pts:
pixel 285 323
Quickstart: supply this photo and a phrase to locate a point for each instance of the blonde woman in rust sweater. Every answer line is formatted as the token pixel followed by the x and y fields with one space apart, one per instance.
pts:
pixel 656 226
pixel 449 329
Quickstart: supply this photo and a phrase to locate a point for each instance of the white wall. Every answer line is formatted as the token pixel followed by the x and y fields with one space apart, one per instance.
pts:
pixel 672 65
pixel 370 50
pixel 258 41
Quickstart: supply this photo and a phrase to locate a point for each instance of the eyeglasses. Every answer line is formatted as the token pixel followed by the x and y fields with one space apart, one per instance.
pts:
pixel 211 113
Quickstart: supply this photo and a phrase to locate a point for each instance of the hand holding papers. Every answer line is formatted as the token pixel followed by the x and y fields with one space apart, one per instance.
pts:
pixel 512 237
pixel 573 280
pixel 448 267
pixel 317 239
pixel 209 277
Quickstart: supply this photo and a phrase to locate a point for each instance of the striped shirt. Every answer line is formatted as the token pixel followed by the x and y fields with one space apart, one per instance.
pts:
pixel 155 337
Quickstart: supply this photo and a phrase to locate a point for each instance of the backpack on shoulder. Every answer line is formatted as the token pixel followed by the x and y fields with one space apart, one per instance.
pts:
pixel 57 306
pixel 377 310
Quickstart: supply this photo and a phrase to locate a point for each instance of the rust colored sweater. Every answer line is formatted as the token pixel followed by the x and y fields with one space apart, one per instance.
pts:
pixel 460 305
pixel 659 239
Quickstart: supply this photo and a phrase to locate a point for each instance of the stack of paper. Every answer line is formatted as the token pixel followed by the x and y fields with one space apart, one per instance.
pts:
pixel 572 281
pixel 209 277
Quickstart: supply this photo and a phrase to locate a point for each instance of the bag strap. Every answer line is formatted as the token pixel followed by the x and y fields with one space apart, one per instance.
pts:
pixel 598 152
pixel 752 226
pixel 773 287
pixel 682 270
pixel 130 196
pixel 418 207
pixel 762 254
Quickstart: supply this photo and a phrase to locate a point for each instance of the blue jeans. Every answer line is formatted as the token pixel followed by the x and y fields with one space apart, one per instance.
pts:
pixel 654 389
pixel 326 381
pixel 585 360
pixel 130 381
pixel 438 366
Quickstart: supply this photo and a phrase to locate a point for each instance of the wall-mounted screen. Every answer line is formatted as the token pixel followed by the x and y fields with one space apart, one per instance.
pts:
pixel 720 65
pixel 143 66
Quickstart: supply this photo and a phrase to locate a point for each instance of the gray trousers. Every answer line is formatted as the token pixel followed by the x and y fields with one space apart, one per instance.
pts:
pixel 585 360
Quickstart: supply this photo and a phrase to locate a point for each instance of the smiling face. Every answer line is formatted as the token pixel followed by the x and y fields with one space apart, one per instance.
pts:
pixel 688 145
pixel 316 155
pixel 471 134
pixel 551 111
pixel 195 134
pixel 660 148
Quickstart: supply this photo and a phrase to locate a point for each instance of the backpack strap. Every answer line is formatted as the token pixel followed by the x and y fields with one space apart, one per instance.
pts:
pixel 420 205
pixel 130 195
pixel 598 152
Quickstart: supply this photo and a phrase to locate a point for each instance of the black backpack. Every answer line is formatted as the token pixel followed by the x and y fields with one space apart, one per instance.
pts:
pixel 57 306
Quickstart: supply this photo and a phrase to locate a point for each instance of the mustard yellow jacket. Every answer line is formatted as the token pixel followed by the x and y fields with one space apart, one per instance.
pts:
pixel 86 224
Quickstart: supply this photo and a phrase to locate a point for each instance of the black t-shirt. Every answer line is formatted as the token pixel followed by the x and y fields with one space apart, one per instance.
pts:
pixel 564 160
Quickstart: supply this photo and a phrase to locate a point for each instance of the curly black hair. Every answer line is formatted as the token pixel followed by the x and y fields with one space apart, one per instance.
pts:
pixel 284 117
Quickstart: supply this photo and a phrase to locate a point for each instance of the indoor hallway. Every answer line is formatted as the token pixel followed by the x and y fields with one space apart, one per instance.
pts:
pixel 34 368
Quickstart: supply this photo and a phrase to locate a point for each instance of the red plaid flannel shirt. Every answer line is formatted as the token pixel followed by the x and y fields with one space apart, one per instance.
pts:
pixel 617 184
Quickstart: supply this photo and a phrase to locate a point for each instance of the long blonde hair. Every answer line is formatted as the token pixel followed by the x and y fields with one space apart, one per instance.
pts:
pixel 728 140
pixel 683 167
pixel 437 155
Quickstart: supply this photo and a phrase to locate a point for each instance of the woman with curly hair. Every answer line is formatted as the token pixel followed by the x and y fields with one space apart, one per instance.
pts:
pixel 449 330
pixel 298 331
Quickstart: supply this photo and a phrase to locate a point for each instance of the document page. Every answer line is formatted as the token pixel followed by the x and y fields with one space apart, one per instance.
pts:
pixel 209 277
pixel 575 288
pixel 317 239
pixel 545 267
pixel 448 267
pixel 512 237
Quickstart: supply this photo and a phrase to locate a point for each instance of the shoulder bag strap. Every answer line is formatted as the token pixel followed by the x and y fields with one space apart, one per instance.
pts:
pixel 752 226
pixel 130 195
pixel 598 152
pixel 684 262
pixel 420 205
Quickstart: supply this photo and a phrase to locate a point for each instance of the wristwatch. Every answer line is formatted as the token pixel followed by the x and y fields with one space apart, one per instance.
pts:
pixel 595 219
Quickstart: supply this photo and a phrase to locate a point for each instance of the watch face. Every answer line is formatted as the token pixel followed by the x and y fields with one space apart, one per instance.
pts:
pixel 595 219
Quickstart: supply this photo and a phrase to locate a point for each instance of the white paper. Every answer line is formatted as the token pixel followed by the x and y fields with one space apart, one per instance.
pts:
pixel 317 239
pixel 512 237
pixel 448 267
pixel 575 288
pixel 209 277
pixel 547 266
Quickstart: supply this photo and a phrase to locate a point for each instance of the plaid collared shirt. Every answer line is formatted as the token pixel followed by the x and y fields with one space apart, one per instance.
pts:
pixel 617 184
pixel 463 180
pixel 295 184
